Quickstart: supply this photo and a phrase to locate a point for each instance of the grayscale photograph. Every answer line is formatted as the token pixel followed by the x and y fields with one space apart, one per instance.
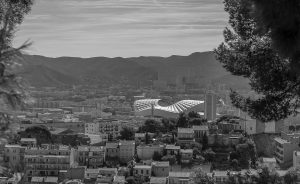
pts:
pixel 149 91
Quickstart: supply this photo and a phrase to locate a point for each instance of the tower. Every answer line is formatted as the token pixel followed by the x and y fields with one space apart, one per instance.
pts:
pixel 210 106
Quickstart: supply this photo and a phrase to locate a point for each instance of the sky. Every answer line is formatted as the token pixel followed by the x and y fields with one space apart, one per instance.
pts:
pixel 122 28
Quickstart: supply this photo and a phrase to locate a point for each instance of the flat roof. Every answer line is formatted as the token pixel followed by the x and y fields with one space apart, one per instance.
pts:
pixel 51 179
pixel 142 167
pixel 186 151
pixel 180 174
pixel 161 164
pixel 220 173
pixel 172 147
pixel 28 139
pixel 185 130
pixel 281 141
pixel 264 159
pixel 200 127
pixel 156 180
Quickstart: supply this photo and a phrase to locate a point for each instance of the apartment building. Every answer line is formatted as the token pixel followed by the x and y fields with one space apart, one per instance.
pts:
pixel 47 160
pixel 285 147
pixel 185 135
pixel 200 131
pixel 90 156
pixel 146 152
pixel 126 151
pixel 180 177
pixel 160 169
pixel 142 170
pixel 110 127
pixel 296 159
pixel 13 155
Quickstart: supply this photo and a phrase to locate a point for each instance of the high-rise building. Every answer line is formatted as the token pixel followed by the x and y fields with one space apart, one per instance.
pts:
pixel 210 106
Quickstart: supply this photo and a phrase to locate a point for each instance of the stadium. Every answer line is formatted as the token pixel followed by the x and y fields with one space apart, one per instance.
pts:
pixel 152 107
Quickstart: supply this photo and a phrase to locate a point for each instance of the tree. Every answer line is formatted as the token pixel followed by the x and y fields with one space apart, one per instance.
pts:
pixel 249 54
pixel 182 121
pixel 157 156
pixel 204 141
pixel 281 19
pixel 151 125
pixel 146 138
pixel 201 177
pixel 12 13
pixel 209 155
pixel 291 177
pixel 127 133
pixel 41 133
pixel 193 114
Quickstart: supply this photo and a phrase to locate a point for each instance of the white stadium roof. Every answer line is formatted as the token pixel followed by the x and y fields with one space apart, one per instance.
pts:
pixel 144 106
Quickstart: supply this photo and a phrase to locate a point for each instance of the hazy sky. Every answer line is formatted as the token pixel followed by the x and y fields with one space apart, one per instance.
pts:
pixel 88 28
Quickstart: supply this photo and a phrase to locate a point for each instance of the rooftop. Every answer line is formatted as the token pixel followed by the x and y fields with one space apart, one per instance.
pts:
pixel 172 147
pixel 160 180
pixel 186 151
pixel 200 127
pixel 51 179
pixel 281 141
pixel 179 174
pixel 119 179
pixel 142 167
pixel 161 164
pixel 264 159
pixel 12 146
pixel 28 139
pixel 220 173
pixel 111 145
pixel 186 130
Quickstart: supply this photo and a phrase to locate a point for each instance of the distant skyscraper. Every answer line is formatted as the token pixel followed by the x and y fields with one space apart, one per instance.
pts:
pixel 210 105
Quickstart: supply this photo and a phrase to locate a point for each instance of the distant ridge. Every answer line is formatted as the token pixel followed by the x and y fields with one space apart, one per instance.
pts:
pixel 200 67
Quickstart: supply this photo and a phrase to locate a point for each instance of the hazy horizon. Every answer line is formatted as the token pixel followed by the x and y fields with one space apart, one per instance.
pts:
pixel 123 28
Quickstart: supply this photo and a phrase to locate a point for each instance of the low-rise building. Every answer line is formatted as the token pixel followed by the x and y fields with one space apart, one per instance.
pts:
pixel 119 180
pixel 13 156
pixel 296 159
pixel 220 177
pixel 142 170
pixel 140 137
pixel 185 135
pixel 284 150
pixel 270 163
pixel 112 150
pixel 158 180
pixel 90 156
pixel 200 131
pixel 186 155
pixel 180 177
pixel 106 175
pixel 172 150
pixel 126 151
pixel 160 169
pixel 146 152
pixel 27 142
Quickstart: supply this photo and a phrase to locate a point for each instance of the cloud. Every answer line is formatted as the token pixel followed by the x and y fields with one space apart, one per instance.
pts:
pixel 88 28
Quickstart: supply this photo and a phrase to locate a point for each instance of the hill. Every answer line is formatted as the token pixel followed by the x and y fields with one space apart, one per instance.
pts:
pixel 198 68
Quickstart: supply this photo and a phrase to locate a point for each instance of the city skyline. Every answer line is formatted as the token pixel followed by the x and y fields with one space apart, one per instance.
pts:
pixel 123 28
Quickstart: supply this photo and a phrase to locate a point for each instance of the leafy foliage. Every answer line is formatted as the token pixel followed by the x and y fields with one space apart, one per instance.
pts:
pixel 12 13
pixel 127 133
pixel 281 19
pixel 248 53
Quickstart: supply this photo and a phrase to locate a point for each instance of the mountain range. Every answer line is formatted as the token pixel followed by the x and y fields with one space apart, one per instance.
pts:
pixel 200 68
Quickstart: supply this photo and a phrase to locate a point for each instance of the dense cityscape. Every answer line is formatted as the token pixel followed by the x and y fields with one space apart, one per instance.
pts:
pixel 229 115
